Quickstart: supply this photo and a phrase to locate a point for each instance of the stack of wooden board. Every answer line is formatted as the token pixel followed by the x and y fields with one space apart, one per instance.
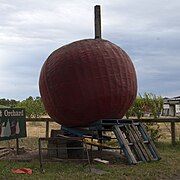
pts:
pixel 135 143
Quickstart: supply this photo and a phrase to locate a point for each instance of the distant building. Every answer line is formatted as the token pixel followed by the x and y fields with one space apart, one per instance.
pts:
pixel 171 106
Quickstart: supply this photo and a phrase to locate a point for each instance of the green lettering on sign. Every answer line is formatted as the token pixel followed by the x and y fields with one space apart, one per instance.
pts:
pixel 12 123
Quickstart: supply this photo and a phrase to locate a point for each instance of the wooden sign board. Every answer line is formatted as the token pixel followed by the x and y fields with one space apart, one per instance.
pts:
pixel 12 123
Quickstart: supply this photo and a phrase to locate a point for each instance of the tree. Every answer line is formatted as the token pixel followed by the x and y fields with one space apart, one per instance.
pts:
pixel 33 106
pixel 137 109
pixel 39 109
pixel 148 103
pixel 8 102
pixel 154 104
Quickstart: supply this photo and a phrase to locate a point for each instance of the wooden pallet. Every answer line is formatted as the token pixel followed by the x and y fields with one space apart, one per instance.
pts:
pixel 63 148
pixel 135 143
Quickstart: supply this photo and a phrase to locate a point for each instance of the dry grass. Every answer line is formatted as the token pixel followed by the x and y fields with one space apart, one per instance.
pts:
pixel 38 129
pixel 165 130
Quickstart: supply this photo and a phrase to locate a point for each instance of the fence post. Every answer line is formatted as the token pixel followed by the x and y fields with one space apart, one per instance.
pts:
pixel 47 128
pixel 173 133
pixel 17 146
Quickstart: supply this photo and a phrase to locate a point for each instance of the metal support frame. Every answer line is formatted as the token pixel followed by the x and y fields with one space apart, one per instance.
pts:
pixel 132 137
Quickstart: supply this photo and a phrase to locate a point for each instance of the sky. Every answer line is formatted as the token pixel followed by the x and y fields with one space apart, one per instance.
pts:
pixel 149 31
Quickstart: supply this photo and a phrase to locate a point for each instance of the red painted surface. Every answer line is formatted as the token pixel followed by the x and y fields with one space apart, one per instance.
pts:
pixel 86 81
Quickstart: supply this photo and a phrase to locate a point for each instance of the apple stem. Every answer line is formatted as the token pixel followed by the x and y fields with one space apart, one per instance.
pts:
pixel 97 21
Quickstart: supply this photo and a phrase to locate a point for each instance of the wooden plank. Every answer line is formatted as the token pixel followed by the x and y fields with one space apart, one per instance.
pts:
pixel 95 143
pixel 144 154
pixel 135 145
pixel 146 151
pixel 140 144
pixel 143 143
pixel 124 145
pixel 101 161
pixel 151 143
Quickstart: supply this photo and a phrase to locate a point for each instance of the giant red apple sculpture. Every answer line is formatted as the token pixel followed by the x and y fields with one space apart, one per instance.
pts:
pixel 87 80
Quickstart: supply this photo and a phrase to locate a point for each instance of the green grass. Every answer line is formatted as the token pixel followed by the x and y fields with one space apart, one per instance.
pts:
pixel 167 168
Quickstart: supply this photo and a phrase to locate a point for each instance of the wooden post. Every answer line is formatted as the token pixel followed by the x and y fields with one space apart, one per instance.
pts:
pixel 100 141
pixel 17 146
pixel 173 133
pixel 47 128
pixel 173 130
pixel 97 21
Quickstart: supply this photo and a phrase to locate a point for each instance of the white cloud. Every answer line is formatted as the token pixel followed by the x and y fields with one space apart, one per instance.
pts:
pixel 30 30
